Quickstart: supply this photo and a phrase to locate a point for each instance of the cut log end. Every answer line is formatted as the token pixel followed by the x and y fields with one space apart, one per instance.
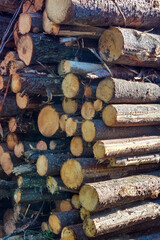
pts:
pixel 71 127
pixel 25 49
pixel 64 67
pixel 88 131
pixel 12 140
pixel 89 227
pixel 58 11
pixel 111 44
pixel 88 198
pixel 22 101
pixel 87 110
pixel 12 125
pixel 48 121
pixel 47 23
pixel 20 181
pixel 19 150
pixel 76 146
pixel 24 23
pixel 6 163
pixel 65 205
pixel 72 173
pixel 17 196
pixel 16 83
pixel 68 233
pixel 88 92
pixel 84 213
pixel 51 184
pixel 105 90
pixel 38 4
pixel 44 227
pixel 2 83
pixel 55 224
pixel 42 165
pixel 70 85
pixel 75 201
pixel 41 145
pixel 62 122
pixel 109 115
pixel 52 145
pixel 99 151
pixel 98 105
pixel 55 29
pixel 69 106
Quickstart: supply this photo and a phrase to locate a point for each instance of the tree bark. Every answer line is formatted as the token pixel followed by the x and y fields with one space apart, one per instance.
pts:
pixel 107 194
pixel 130 47
pixel 102 14
pixel 36 84
pixel 113 90
pixel 24 169
pixel 50 164
pixel 104 149
pixel 58 221
pixel 9 6
pixel 135 160
pixel 80 148
pixel 131 215
pixel 30 22
pixel 9 108
pixel 34 47
pixel 96 130
pixel 124 115
pixel 31 182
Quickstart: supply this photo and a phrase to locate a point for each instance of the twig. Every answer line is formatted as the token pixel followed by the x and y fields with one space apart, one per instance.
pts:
pixel 101 60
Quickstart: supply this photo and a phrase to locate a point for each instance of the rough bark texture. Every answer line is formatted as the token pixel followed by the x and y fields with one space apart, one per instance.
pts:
pixel 104 149
pixel 108 222
pixel 124 115
pixel 31 182
pixel 135 160
pixel 4 21
pixel 9 6
pixel 9 108
pixel 115 90
pixel 36 83
pixel 50 164
pixel 136 13
pixel 34 47
pixel 112 193
pixel 130 47
pixel 58 221
pixel 96 130
pixel 74 232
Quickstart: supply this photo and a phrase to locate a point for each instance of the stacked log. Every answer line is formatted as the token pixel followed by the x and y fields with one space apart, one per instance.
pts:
pixel 79 118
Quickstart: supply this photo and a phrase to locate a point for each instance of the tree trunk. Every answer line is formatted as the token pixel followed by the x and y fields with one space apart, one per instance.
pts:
pixel 31 182
pixel 74 232
pixel 36 84
pixel 135 160
pixel 30 22
pixel 96 130
pixel 9 5
pixel 107 194
pixel 9 108
pixel 113 90
pixel 124 147
pixel 124 115
pixel 130 47
pixel 131 215
pixel 50 164
pixel 104 14
pixel 34 47
pixel 80 148
pixel 58 221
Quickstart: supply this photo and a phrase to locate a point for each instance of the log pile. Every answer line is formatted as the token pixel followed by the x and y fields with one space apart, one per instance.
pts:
pixel 79 119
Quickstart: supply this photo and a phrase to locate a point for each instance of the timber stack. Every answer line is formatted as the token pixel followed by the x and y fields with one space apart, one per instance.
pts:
pixel 80 119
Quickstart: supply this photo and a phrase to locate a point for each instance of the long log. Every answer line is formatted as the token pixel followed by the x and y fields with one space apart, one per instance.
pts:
pixel 34 47
pixel 9 107
pixel 30 22
pixel 58 221
pixel 50 164
pixel 124 115
pixel 86 170
pixel 31 182
pixel 107 194
pixel 9 6
pixel 113 90
pixel 72 12
pixel 109 221
pixel 135 160
pixel 80 148
pixel 35 83
pixel 104 149
pixel 130 47
pixel 96 130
